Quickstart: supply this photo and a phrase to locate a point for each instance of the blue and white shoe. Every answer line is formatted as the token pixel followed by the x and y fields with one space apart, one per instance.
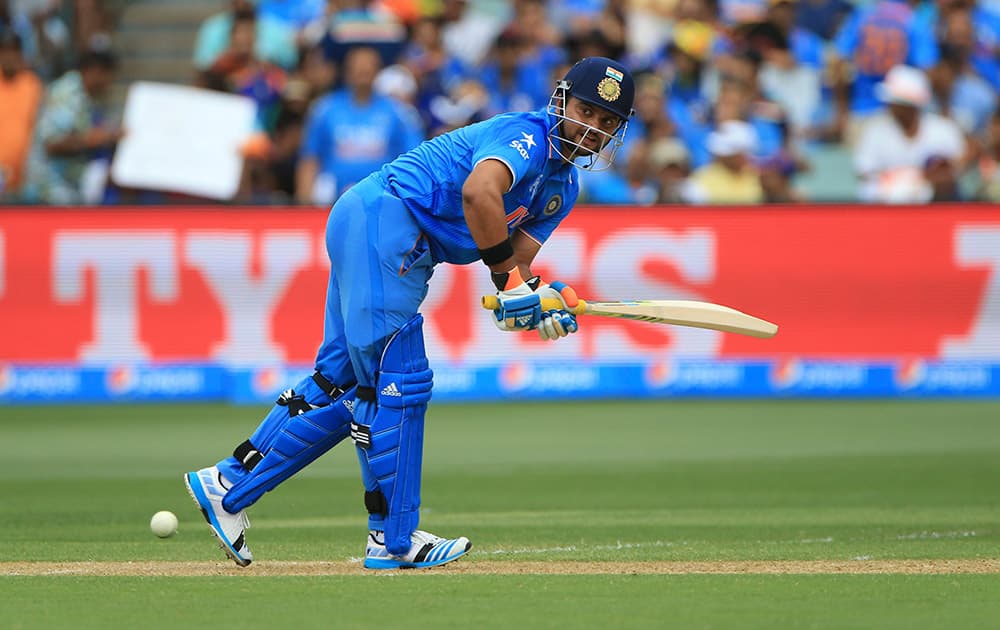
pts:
pixel 427 550
pixel 207 487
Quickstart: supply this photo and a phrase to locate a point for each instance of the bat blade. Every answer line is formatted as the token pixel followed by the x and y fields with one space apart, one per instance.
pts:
pixel 687 313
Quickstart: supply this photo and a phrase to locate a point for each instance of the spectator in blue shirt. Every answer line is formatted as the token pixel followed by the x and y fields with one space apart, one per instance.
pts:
pixel 874 39
pixel 351 132
pixel 515 82
pixel 973 34
pixel 961 94
pixel 274 41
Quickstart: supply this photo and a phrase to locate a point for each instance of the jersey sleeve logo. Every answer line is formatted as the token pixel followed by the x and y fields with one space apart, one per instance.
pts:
pixel 523 144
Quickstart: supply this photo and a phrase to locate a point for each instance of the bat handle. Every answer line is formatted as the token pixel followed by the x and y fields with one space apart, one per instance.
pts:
pixel 492 303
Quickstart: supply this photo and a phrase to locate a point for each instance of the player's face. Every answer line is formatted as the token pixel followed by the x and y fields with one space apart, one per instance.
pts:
pixel 587 118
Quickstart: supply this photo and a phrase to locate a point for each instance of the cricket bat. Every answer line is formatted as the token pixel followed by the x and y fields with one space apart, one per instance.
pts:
pixel 677 312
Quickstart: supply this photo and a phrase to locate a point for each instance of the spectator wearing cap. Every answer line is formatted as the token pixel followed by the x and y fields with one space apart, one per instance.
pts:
pixel 776 175
pixel 20 96
pixel 274 41
pixel 72 133
pixel 895 145
pixel 730 178
pixel 351 132
pixel 874 39
pixel 670 163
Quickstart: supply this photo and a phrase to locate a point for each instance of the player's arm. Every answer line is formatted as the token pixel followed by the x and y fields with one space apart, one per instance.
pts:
pixel 482 203
pixel 509 257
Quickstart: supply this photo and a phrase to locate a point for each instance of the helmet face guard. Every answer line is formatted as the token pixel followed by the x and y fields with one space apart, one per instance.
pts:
pixel 602 83
pixel 575 152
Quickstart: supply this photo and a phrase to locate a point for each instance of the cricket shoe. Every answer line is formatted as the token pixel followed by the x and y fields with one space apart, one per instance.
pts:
pixel 426 550
pixel 208 487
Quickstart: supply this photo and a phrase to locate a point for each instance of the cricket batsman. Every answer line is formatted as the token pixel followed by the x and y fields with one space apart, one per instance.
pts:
pixel 492 191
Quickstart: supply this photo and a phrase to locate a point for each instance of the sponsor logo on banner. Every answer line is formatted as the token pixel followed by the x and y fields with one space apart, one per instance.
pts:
pixel 40 383
pixel 120 380
pixel 821 376
pixel 514 376
pixel 786 373
pixel 949 378
pixel 164 381
pixel 658 374
pixel 910 374
pixel 707 377
pixel 519 377
pixel 564 379
pixel 6 378
pixel 454 380
pixel 265 381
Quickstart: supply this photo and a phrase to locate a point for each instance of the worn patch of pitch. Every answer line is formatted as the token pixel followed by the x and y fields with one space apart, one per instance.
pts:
pixel 496 567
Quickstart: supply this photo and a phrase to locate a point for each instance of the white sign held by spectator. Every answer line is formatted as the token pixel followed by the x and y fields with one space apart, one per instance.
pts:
pixel 183 139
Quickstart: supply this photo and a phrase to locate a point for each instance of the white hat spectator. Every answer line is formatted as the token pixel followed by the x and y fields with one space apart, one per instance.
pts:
pixel 904 85
pixel 668 151
pixel 396 81
pixel 733 137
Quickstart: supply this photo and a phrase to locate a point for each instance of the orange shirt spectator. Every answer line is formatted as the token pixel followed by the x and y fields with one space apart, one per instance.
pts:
pixel 20 95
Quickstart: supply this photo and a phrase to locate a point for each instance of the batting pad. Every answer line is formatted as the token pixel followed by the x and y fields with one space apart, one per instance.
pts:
pixel 397 431
pixel 305 436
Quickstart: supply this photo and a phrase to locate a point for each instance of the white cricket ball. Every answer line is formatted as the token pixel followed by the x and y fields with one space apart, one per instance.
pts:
pixel 163 524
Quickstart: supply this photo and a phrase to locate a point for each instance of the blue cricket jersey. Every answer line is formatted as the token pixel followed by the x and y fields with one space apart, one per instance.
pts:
pixel 349 140
pixel 429 181
pixel 876 38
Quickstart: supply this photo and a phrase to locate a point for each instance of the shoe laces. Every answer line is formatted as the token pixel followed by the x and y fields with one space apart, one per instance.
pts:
pixel 422 537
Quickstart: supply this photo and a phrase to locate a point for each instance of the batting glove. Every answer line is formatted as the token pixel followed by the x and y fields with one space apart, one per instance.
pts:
pixel 557 323
pixel 520 307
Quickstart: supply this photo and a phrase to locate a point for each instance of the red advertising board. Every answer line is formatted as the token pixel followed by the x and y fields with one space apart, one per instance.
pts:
pixel 247 285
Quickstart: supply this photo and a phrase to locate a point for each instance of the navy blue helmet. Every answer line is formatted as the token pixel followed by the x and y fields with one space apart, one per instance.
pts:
pixel 601 82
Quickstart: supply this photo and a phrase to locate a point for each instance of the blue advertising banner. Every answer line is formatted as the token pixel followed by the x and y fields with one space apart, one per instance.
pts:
pixel 521 381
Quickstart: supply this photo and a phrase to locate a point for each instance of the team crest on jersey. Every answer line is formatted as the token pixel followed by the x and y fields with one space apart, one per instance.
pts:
pixel 609 89
pixel 553 205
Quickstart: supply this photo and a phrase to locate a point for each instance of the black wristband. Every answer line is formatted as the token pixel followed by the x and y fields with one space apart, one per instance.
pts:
pixel 498 253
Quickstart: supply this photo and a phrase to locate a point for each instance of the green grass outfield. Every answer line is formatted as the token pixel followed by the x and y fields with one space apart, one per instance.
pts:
pixel 692 514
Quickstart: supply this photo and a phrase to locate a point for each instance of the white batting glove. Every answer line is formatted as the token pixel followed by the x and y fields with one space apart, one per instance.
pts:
pixel 557 323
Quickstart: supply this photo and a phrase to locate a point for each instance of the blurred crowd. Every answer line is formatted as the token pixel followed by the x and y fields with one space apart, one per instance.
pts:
pixel 733 96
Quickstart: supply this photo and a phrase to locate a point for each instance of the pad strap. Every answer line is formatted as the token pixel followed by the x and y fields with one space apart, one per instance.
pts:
pixel 248 455
pixel 333 391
